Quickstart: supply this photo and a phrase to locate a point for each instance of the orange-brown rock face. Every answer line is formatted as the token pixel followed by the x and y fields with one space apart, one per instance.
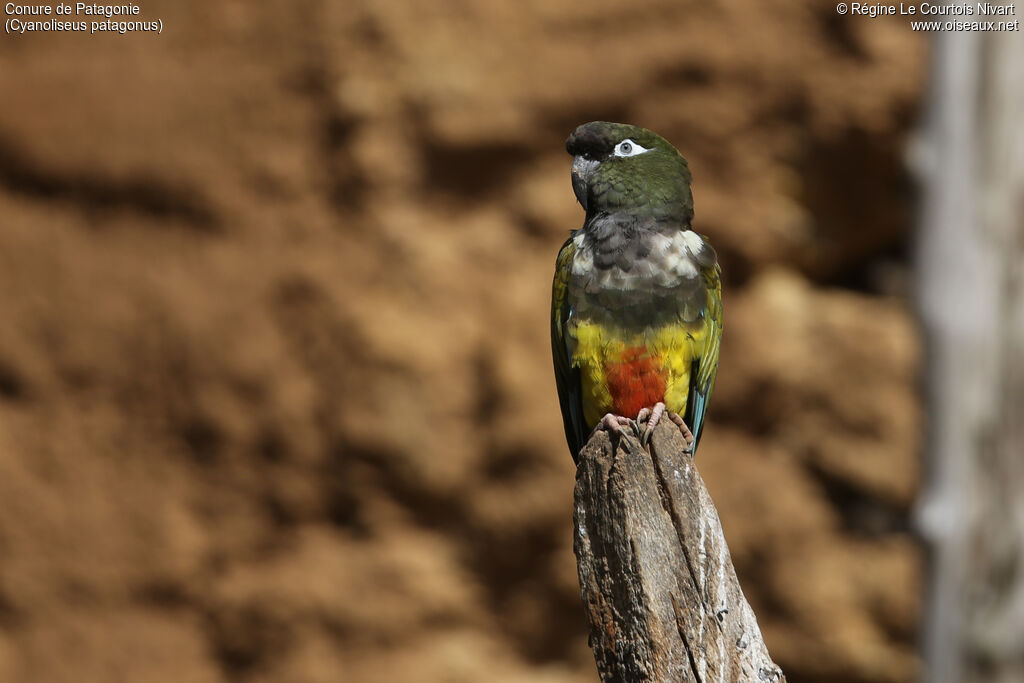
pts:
pixel 275 395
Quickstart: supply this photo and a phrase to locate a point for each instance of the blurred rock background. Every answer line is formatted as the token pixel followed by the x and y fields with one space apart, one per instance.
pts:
pixel 275 391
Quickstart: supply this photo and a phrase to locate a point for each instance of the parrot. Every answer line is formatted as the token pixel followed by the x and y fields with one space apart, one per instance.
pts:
pixel 636 304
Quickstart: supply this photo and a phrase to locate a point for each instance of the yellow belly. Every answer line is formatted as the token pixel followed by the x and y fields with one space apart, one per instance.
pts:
pixel 621 372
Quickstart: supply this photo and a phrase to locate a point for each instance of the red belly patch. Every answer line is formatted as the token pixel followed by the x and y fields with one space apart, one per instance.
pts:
pixel 635 382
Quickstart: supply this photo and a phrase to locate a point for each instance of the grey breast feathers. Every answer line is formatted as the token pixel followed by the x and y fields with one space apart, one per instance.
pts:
pixel 637 274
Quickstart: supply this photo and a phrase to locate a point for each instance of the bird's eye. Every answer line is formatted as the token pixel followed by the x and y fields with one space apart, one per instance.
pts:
pixel 628 148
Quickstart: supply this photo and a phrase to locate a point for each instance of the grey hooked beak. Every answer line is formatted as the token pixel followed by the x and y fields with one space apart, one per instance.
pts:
pixel 582 170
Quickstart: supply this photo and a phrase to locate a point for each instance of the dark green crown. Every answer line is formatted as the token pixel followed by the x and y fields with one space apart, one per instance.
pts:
pixel 654 183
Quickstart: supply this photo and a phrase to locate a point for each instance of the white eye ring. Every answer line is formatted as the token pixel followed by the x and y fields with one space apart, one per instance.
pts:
pixel 628 148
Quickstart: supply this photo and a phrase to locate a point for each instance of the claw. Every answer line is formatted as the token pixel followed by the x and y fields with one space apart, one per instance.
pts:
pixel 687 434
pixel 653 417
pixel 615 424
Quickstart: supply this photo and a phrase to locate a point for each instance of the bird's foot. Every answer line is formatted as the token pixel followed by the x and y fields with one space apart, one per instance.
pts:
pixel 618 426
pixel 652 416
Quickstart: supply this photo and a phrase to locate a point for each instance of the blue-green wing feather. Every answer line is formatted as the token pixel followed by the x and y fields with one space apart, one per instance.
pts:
pixel 567 377
pixel 705 368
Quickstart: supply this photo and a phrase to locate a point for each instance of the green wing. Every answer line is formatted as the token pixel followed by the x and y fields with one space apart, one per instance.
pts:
pixel 567 378
pixel 705 368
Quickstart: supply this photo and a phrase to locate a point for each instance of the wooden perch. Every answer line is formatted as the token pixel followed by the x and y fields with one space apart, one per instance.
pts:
pixel 656 577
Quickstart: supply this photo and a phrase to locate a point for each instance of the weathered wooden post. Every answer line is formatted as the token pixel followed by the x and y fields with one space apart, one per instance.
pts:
pixel 656 578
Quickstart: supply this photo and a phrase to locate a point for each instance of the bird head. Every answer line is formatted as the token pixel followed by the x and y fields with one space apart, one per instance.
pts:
pixel 619 168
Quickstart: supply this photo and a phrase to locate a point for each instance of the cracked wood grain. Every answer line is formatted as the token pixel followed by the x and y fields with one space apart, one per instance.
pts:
pixel 656 578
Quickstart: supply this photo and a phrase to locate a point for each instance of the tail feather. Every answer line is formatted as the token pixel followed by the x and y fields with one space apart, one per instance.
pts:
pixel 696 407
pixel 696 422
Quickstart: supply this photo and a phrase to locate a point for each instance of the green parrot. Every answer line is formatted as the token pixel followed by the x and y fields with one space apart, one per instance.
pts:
pixel 636 305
